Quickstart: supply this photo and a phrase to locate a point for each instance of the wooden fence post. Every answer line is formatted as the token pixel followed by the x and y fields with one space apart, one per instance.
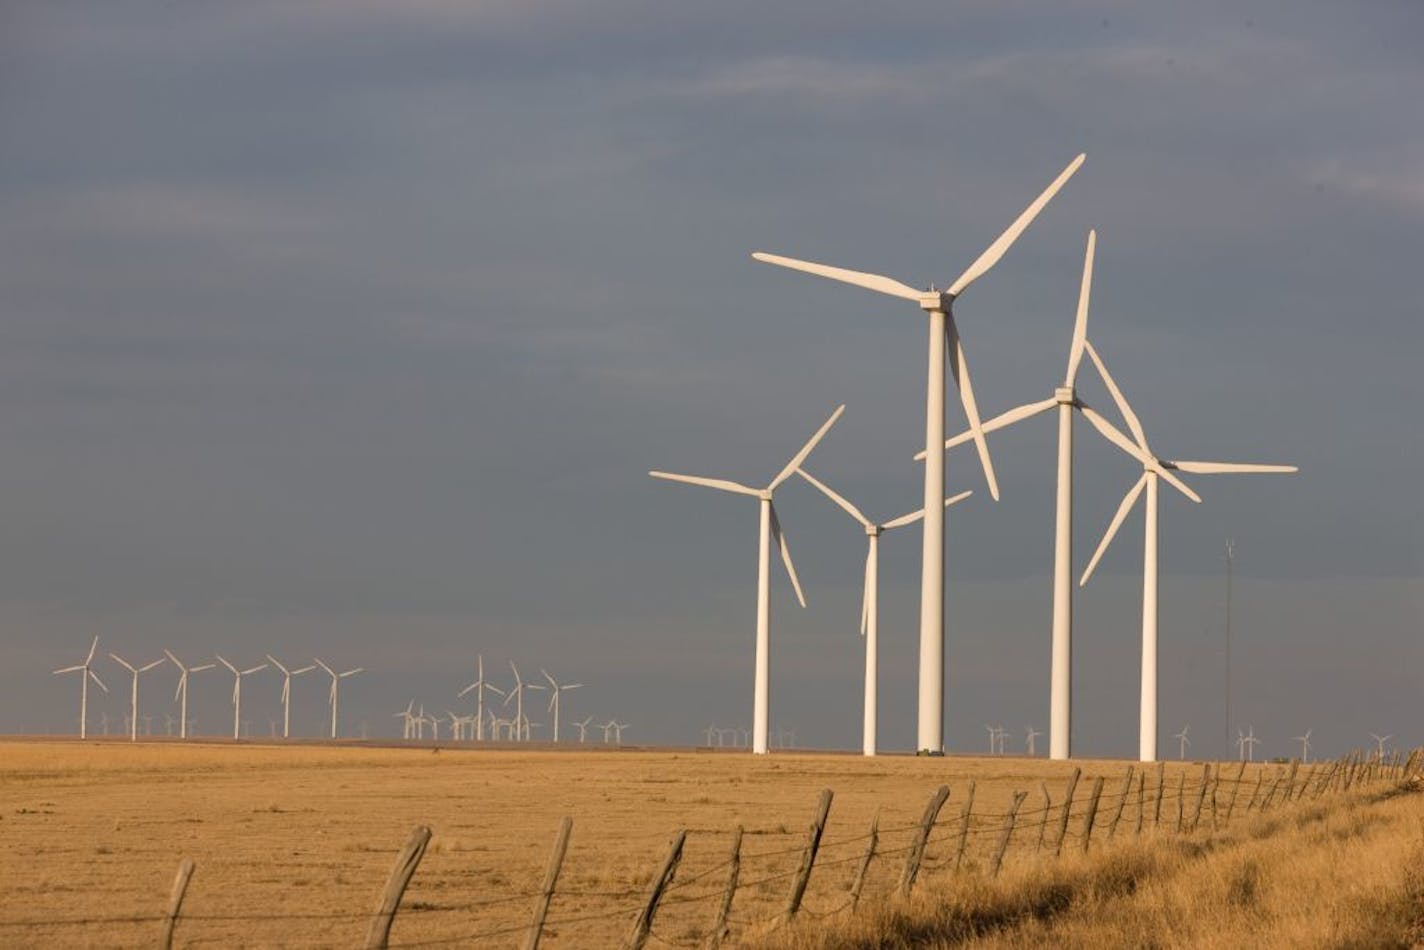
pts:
pixel 546 892
pixel 1141 800
pixel 1260 777
pixel 1161 788
pixel 1092 811
pixel 1121 802
pixel 1290 782
pixel 1201 795
pixel 922 837
pixel 379 933
pixel 724 909
pixel 1047 812
pixel 1006 834
pixel 1181 798
pixel 1067 807
pixel 1235 788
pixel 871 842
pixel 643 923
pixel 808 857
pixel 175 902
pixel 964 814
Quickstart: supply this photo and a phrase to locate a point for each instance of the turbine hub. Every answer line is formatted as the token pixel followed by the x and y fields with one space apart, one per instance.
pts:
pixel 873 530
pixel 764 494
pixel 1066 396
pixel 936 300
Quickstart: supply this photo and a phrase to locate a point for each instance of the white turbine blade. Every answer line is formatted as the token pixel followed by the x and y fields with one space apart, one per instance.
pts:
pixel 1133 423
pixel 286 689
pixel 170 656
pixel 69 669
pixel 806 450
pixel 875 282
pixel 318 662
pixel 1017 414
pixel 182 678
pixel 720 483
pixel 467 688
pixel 225 663
pixel 572 686
pixel 95 677
pixel 1115 435
pixel 359 669
pixel 273 660
pixel 1127 502
pixel 1176 483
pixel 254 669
pixel 145 669
pixel 92 647
pixel 199 669
pixel 846 506
pixel 914 516
pixel 305 669
pixel 552 682
pixel 991 255
pixel 865 598
pixel 780 537
pixel 1080 323
pixel 1218 468
pixel 959 367
pixel 122 662
pixel 494 689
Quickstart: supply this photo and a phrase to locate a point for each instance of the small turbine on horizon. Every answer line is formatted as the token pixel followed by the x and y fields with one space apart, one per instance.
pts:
pixel 336 679
pixel 133 693
pixel 479 685
pixel 180 695
pixel 1183 741
pixel 556 688
pixel 237 676
pixel 287 692
pixel 86 673
pixel 1304 746
pixel 1380 741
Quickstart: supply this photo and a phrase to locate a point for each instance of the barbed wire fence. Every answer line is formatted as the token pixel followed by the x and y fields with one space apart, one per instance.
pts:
pixel 770 888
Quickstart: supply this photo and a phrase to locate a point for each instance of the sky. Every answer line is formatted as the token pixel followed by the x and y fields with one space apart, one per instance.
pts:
pixel 352 329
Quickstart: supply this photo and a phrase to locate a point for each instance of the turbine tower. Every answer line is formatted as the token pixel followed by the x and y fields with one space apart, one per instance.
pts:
pixel 336 678
pixel 555 688
pixel 1304 746
pixel 870 597
pixel 180 695
pixel 85 675
pixel 287 692
pixel 1031 734
pixel 479 686
pixel 133 693
pixel 237 676
pixel 770 529
pixel 1153 468
pixel 521 724
pixel 943 335
pixel 1379 742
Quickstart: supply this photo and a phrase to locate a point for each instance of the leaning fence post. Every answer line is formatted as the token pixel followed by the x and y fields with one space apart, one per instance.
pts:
pixel 1121 802
pixel 1067 807
pixel 1141 800
pixel 724 909
pixel 1047 810
pixel 546 892
pixel 1092 811
pixel 873 839
pixel 808 857
pixel 1006 834
pixel 643 923
pixel 1201 795
pixel 922 837
pixel 1181 799
pixel 1260 777
pixel 175 902
pixel 1235 788
pixel 379 933
pixel 964 825
pixel 1161 787
pixel 1290 782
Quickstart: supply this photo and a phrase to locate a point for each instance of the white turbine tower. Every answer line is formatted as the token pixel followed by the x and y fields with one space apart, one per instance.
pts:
pixel 1304 745
pixel 85 675
pixel 237 676
pixel 180 695
pixel 1031 734
pixel 287 692
pixel 1182 741
pixel 770 529
pixel 943 335
pixel 479 686
pixel 1153 468
pixel 521 724
pixel 336 678
pixel 555 688
pixel 133 693
pixel 583 728
pixel 870 598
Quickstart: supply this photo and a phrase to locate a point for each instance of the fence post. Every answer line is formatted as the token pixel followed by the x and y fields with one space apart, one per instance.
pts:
pixel 1235 788
pixel 1092 811
pixel 1007 833
pixel 643 923
pixel 964 826
pixel 379 933
pixel 1290 782
pixel 872 840
pixel 724 910
pixel 1121 802
pixel 175 902
pixel 546 892
pixel 1141 800
pixel 922 837
pixel 1260 777
pixel 1047 810
pixel 1201 796
pixel 1161 788
pixel 808 857
pixel 1067 807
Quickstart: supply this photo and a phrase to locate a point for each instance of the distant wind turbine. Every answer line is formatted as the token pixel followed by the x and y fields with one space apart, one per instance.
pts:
pixel 133 695
pixel 336 679
pixel 555 688
pixel 1380 741
pixel 287 692
pixel 86 673
pixel 479 686
pixel 1031 734
pixel 1304 746
pixel 521 723
pixel 237 676
pixel 181 693
pixel 1182 741
pixel 583 728
pixel 1246 743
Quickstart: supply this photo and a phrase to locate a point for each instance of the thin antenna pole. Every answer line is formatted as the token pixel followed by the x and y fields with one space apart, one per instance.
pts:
pixel 1226 728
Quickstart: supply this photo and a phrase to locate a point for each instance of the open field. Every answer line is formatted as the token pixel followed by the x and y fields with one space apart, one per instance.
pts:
pixel 293 843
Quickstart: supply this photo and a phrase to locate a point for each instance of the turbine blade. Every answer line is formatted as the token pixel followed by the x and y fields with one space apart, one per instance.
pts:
pixel 1127 502
pixel 786 555
pixel 225 663
pixel 145 669
pixel 273 660
pixel 173 658
pixel 720 483
pixel 1218 468
pixel 1017 414
pixel 1133 423
pixel 1176 483
pixel 806 450
pixel 959 366
pixel 199 669
pixel 92 647
pixel 286 689
pixel 875 282
pixel 305 669
pixel 467 689
pixel 254 669
pixel 95 677
pixel 1080 323
pixel 122 662
pixel 182 678
pixel 1114 435
pixel 914 516
pixel 991 255
pixel 359 669
pixel 68 669
pixel 846 506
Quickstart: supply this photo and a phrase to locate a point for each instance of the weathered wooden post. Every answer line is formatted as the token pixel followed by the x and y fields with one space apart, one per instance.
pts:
pixel 872 840
pixel 1161 790
pixel 546 892
pixel 1260 777
pixel 175 902
pixel 724 909
pixel 1092 811
pixel 643 923
pixel 964 815
pixel 1181 798
pixel 378 935
pixel 1067 807
pixel 922 837
pixel 1235 788
pixel 1201 795
pixel 1006 834
pixel 1141 800
pixel 1121 801
pixel 808 857
pixel 1290 781
pixel 1047 812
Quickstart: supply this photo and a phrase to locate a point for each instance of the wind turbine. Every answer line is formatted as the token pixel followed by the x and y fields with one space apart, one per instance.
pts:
pixel 237 676
pixel 583 728
pixel 1032 734
pixel 770 529
pixel 870 597
pixel 993 739
pixel 617 728
pixel 287 692
pixel 1153 468
pixel 336 678
pixel 1304 746
pixel 408 717
pixel 133 694
pixel 943 335
pixel 556 688
pixel 1182 741
pixel 1380 741
pixel 517 694
pixel 181 694
pixel 85 675
pixel 1246 743
pixel 479 685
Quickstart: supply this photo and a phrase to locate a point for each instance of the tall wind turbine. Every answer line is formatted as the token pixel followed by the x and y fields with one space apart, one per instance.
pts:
pixel 237 676
pixel 336 678
pixel 479 686
pixel 1246 743
pixel 555 688
pixel 287 692
pixel 870 596
pixel 943 335
pixel 1153 468
pixel 1182 742
pixel 85 675
pixel 1031 734
pixel 1304 745
pixel 770 529
pixel 1379 742
pixel 181 693
pixel 521 724
pixel 133 694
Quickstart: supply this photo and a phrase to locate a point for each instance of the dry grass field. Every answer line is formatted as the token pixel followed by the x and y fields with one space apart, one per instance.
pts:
pixel 293 844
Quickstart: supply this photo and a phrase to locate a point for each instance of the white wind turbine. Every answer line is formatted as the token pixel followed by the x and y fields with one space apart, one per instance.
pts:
pixel 287 692
pixel 479 686
pixel 521 724
pixel 583 728
pixel 407 716
pixel 1182 742
pixel 770 530
pixel 180 695
pixel 1032 734
pixel 1246 743
pixel 237 676
pixel 85 675
pixel 555 688
pixel 1379 742
pixel 1153 468
pixel 870 597
pixel 133 693
pixel 1304 745
pixel 993 739
pixel 336 679
pixel 943 335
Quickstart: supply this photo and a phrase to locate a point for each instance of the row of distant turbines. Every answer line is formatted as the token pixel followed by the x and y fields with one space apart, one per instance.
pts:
pixel 944 339
pixel 180 696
